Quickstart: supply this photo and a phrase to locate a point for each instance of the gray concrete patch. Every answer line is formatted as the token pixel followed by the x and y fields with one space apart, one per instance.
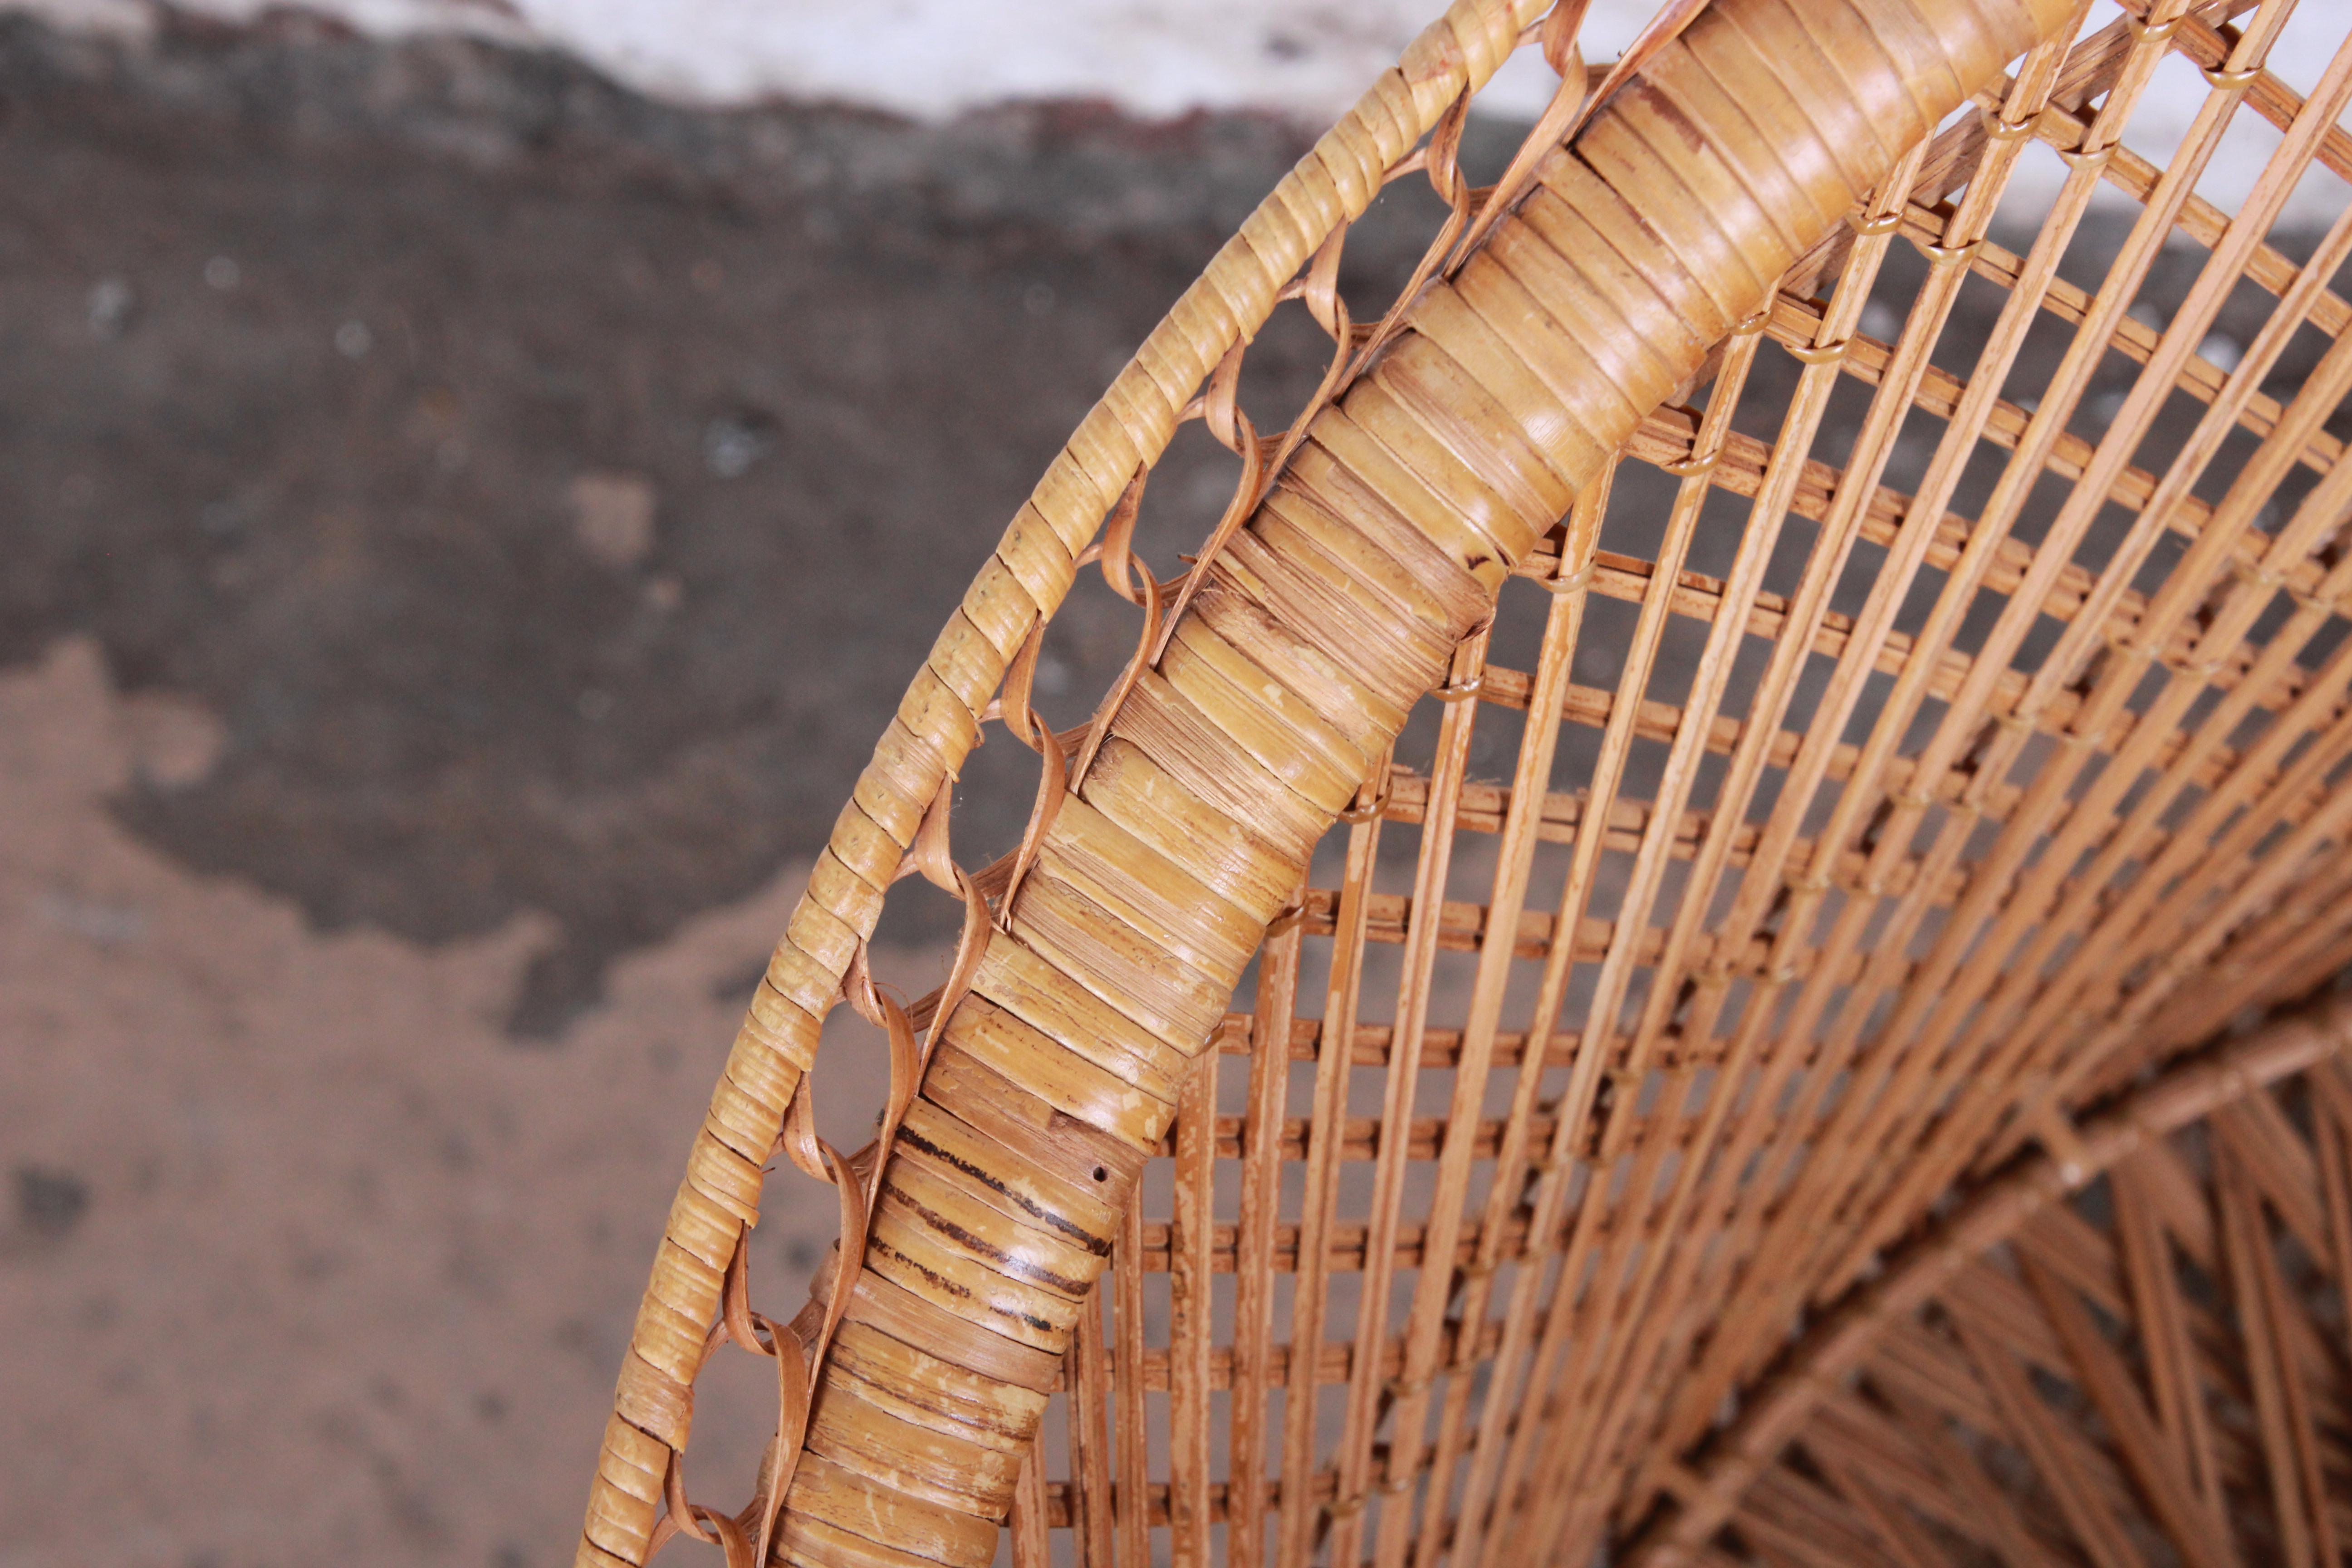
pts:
pixel 315 345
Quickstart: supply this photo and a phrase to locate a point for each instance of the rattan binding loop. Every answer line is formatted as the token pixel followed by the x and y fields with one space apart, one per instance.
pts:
pixel 1695 467
pixel 1820 354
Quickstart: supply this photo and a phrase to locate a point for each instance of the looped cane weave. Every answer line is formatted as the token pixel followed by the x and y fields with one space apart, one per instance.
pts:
pixel 1806 969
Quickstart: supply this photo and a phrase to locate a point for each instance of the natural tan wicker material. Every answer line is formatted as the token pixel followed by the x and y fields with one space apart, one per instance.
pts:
pixel 2024 1326
pixel 1988 771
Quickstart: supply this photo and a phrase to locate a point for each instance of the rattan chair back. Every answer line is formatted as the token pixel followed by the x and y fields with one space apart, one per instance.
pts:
pixel 1678 765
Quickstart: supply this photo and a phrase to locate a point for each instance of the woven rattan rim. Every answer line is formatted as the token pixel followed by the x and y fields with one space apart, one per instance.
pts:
pixel 1743 151
pixel 1017 590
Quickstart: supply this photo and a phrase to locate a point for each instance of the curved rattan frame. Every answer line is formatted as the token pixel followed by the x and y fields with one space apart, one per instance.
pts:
pixel 1822 1368
pixel 1654 233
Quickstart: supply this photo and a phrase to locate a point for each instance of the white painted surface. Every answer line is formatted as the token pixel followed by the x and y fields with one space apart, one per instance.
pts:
pixel 1307 59
pixel 930 59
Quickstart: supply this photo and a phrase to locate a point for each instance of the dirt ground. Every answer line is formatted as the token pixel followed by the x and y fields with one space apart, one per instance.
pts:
pixel 307 1261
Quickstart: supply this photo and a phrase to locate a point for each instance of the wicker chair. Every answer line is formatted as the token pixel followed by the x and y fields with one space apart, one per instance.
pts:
pixel 1804 1112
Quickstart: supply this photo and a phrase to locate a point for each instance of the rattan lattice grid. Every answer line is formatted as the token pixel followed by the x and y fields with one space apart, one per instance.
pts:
pixel 1887 739
pixel 2138 1353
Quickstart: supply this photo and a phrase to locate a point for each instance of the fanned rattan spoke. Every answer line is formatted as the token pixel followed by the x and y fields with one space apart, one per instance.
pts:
pixel 1963 732
pixel 2283 1419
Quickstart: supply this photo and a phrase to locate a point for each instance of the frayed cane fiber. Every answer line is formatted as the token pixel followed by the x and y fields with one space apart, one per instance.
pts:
pixel 1919 736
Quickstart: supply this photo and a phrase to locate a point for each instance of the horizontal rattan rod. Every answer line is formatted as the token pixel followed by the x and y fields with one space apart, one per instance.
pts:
pixel 1348 1245
pixel 1668 438
pixel 1461 928
pixel 1322 1489
pixel 1323 1486
pixel 2004 424
pixel 2201 378
pixel 2204 223
pixel 2198 219
pixel 1794 323
pixel 1333 1367
pixel 1157 1514
pixel 1441 1048
pixel 1852 870
pixel 1698 598
pixel 1358 1140
pixel 1666 441
pixel 1563 816
pixel 1591 707
pixel 1059 1514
